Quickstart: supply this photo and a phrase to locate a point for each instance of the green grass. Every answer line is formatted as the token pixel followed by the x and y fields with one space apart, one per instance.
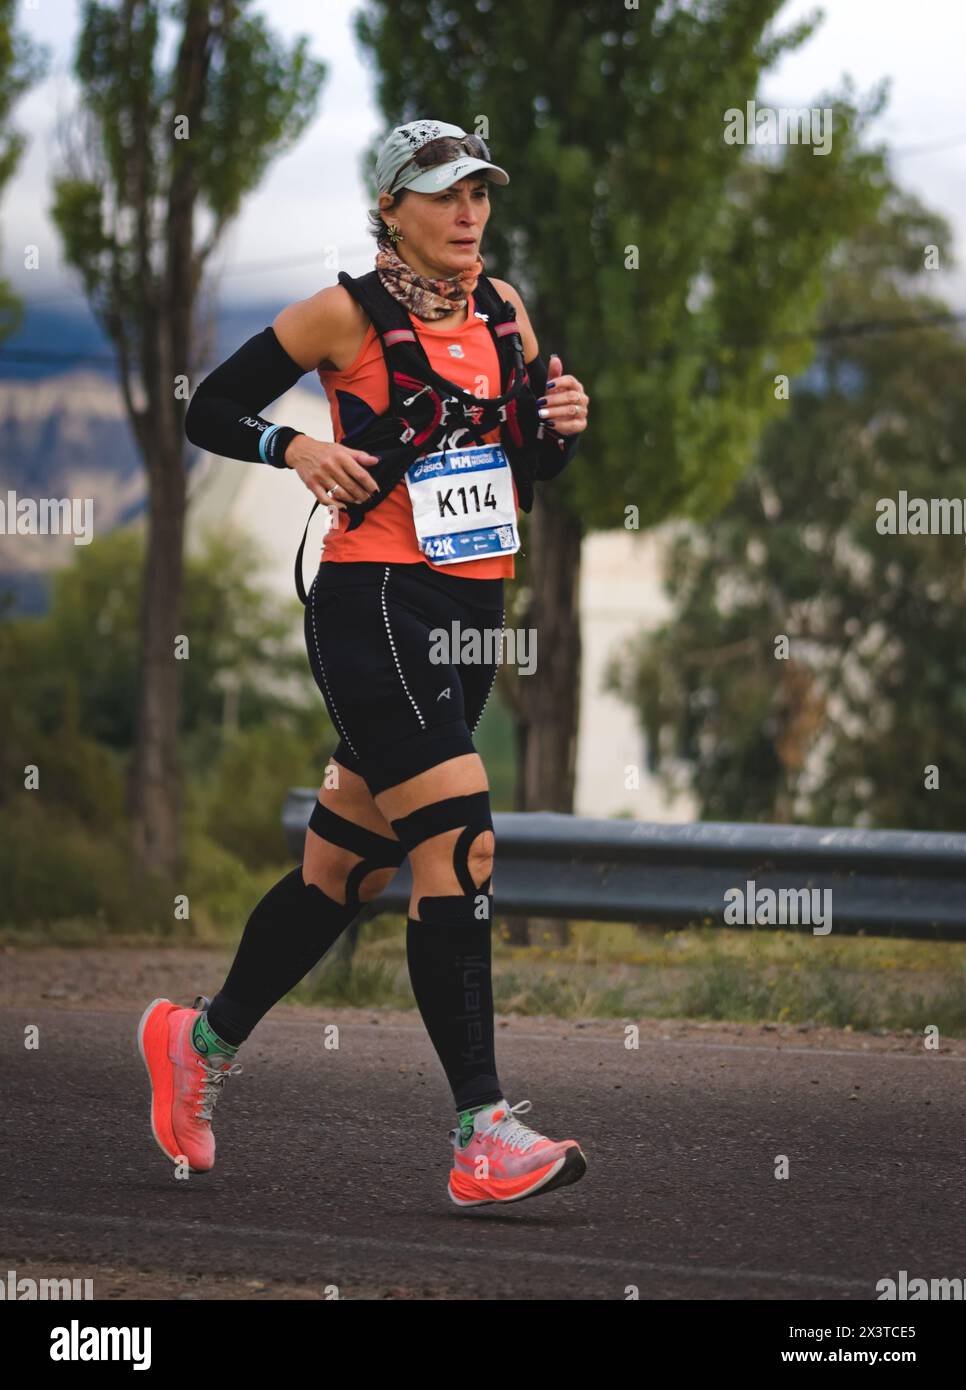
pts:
pixel 355 983
pixel 619 971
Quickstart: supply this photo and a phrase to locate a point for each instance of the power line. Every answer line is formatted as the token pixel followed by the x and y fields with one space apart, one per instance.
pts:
pixel 49 358
pixel 829 332
pixel 904 150
pixel 311 258
pixel 858 328
pixel 243 268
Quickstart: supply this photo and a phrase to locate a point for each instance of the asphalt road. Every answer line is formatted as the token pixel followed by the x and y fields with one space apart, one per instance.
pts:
pixel 332 1165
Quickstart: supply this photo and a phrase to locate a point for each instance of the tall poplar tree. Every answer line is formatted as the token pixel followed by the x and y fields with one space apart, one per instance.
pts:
pixel 643 244
pixel 159 145
pixel 22 63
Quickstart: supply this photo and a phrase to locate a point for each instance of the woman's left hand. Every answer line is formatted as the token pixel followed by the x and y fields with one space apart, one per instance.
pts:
pixel 565 405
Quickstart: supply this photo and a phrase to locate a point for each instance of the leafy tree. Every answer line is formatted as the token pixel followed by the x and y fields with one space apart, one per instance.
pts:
pixel 645 248
pixel 154 147
pixel 22 63
pixel 252 726
pixel 874 686
pixel 243 670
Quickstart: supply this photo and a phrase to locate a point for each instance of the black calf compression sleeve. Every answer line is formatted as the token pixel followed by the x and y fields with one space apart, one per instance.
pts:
pixel 220 415
pixel 448 949
pixel 450 968
pixel 288 932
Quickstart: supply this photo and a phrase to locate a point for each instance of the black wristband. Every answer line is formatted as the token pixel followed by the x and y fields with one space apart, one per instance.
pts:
pixel 275 440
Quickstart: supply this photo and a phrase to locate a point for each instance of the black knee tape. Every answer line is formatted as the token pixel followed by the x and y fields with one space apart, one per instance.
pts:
pixel 453 811
pixel 377 851
pixel 459 910
pixel 472 813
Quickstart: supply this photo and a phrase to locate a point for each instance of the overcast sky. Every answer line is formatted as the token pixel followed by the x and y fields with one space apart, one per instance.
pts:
pixel 314 196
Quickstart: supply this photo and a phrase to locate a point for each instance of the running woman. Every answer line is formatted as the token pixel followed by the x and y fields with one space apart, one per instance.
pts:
pixel 452 415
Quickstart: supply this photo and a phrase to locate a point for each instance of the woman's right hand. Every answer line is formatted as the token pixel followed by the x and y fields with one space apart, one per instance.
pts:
pixel 323 466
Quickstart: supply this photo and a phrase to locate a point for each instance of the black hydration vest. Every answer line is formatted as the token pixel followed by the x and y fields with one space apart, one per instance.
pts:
pixel 425 410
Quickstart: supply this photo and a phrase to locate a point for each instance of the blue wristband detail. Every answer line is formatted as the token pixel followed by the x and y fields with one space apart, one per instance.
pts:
pixel 266 436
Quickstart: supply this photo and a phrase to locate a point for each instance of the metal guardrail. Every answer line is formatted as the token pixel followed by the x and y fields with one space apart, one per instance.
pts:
pixel 882 882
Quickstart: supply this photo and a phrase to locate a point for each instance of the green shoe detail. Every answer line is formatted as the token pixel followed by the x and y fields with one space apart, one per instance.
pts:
pixel 206 1041
pixel 466 1124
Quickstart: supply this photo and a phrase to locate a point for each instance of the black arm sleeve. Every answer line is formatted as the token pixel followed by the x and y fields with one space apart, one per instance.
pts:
pixel 554 451
pixel 221 414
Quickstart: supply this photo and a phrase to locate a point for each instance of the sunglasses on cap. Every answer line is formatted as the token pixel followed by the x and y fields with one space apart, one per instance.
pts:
pixel 441 151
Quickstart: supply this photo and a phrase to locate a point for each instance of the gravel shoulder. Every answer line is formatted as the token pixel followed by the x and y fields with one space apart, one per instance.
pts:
pixel 123 979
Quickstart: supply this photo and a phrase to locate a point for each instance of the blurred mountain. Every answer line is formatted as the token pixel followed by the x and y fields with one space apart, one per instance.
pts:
pixel 65 431
pixel 54 340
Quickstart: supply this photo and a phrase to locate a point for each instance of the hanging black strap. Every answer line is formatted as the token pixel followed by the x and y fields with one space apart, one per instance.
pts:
pixel 299 581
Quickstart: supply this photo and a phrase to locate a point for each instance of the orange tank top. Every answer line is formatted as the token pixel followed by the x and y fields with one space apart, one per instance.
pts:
pixel 387 532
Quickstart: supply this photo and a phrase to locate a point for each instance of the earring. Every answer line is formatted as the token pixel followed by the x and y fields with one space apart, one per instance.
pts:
pixel 395 235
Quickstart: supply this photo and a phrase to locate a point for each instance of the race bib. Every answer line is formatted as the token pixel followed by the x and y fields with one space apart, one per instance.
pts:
pixel 463 504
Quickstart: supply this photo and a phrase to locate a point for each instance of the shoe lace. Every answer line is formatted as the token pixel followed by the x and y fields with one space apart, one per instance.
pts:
pixel 512 1132
pixel 211 1088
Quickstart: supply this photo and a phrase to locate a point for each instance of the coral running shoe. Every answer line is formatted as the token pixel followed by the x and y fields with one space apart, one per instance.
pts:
pixel 503 1160
pixel 185 1086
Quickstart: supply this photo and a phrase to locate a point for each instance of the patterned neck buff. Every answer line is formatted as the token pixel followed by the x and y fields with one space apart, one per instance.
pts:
pixel 426 298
